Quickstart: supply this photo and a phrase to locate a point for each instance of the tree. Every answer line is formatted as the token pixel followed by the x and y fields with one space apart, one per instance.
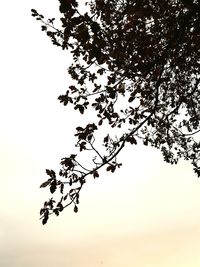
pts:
pixel 136 67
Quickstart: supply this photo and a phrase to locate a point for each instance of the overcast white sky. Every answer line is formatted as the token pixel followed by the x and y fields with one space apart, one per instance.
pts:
pixel 145 215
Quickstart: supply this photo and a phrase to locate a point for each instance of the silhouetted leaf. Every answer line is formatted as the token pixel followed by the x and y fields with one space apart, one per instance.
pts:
pixel 80 108
pixel 45 183
pixel 45 219
pixel 65 197
pixel 132 140
pixel 56 211
pixel 61 188
pixel 44 28
pixel 51 173
pixel 95 174
pixel 111 168
pixel 75 209
pixel 53 186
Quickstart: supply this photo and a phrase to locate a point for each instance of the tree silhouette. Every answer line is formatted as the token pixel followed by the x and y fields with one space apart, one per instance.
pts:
pixel 136 67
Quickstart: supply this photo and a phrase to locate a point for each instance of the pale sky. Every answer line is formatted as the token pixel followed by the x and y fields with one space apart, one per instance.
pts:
pixel 144 215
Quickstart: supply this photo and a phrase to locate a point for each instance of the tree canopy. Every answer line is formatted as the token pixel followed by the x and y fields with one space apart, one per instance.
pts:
pixel 136 68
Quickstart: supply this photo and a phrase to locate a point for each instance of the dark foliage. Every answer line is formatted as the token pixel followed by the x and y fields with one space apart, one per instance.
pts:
pixel 136 66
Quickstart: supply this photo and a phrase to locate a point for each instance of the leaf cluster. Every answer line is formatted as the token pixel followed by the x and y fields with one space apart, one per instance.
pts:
pixel 136 66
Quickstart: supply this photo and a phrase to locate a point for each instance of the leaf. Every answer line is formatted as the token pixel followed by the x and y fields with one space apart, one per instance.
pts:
pixel 75 209
pixel 60 206
pixel 53 186
pixel 44 28
pixel 80 108
pixel 56 211
pixel 61 188
pixel 119 165
pixel 100 71
pixel 79 129
pixel 77 199
pixel 45 183
pixel 131 99
pixel 82 146
pixel 34 12
pixel 111 168
pixel 131 140
pixel 196 169
pixel 145 142
pixel 100 122
pixel 95 27
pixel 45 219
pixel 65 197
pixel 105 140
pixel 51 173
pixel 65 6
pixel 73 156
pixel 95 174
pixel 76 20
pixel 42 211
